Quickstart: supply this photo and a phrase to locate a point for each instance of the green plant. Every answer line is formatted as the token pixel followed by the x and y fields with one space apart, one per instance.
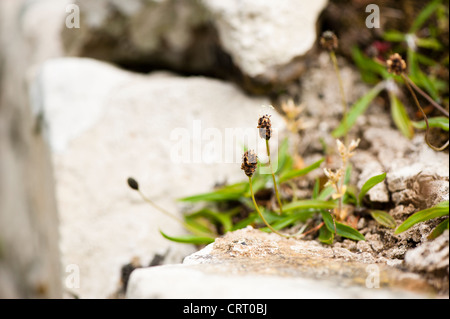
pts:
pixel 235 206
pixel 440 210
pixel 394 72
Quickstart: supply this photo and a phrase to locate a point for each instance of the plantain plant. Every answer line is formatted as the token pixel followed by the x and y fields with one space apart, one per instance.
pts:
pixel 389 76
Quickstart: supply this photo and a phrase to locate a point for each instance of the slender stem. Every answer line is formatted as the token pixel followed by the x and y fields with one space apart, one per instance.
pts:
pixel 427 97
pixel 334 224
pixel 274 180
pixel 341 89
pixel 165 212
pixel 340 207
pixel 424 116
pixel 259 212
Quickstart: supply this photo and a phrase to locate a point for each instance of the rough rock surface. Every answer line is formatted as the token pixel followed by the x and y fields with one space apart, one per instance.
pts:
pixel 104 125
pixel 259 44
pixel 233 265
pixel 432 259
pixel 263 36
pixel 29 251
pixel 140 34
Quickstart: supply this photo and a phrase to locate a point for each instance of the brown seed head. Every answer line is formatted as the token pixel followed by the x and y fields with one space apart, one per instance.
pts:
pixel 329 41
pixel 249 163
pixel 265 127
pixel 396 64
pixel 133 183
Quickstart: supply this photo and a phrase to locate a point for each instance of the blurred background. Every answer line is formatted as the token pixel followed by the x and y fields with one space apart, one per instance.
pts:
pixel 90 92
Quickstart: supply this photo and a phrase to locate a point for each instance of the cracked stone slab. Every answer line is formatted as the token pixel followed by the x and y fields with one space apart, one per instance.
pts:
pixel 236 263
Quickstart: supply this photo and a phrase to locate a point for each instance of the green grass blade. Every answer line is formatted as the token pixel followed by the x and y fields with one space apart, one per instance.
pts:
pixel 371 71
pixel 229 192
pixel 358 108
pixel 429 43
pixel 222 218
pixel 394 36
pixel 291 219
pixel 189 239
pixel 284 159
pixel 350 196
pixel 197 227
pixel 369 184
pixel 348 174
pixel 309 204
pixel 438 230
pixel 341 229
pixel 348 232
pixel 315 193
pixel 437 211
pixel 328 220
pixel 424 15
pixel 400 117
pixel 420 78
pixel 326 236
pixel 438 121
pixel 326 193
pixel 246 221
pixel 300 172
pixel 383 218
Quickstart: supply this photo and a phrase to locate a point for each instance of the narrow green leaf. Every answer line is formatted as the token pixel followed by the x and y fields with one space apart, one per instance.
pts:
pixel 438 230
pixel 291 219
pixel 309 204
pixel 328 220
pixel 284 159
pixel 358 108
pixel 326 236
pixel 189 239
pixel 229 192
pixel 423 59
pixel 246 221
pixel 316 189
pixel 383 218
pixel 424 15
pixel 439 122
pixel 198 227
pixel 394 36
pixel 429 43
pixel 369 184
pixel 223 218
pixel 428 84
pixel 341 229
pixel 437 211
pixel 349 232
pixel 326 193
pixel 420 78
pixel 300 172
pixel 400 117
pixel 348 174
pixel 350 195
pixel 371 71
